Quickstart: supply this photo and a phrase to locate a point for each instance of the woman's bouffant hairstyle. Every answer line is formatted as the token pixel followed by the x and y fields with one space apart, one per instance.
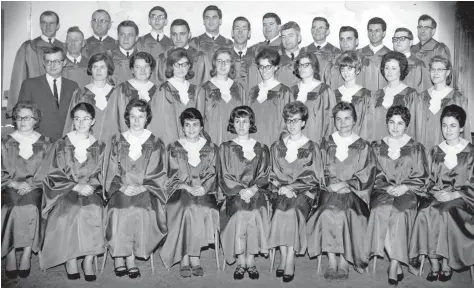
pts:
pixel 402 63
pixel 349 59
pixel 296 107
pixel 191 114
pixel 242 112
pixel 83 106
pixel 314 64
pixel 144 56
pixel 101 57
pixel 173 57
pixel 142 106
pixel 400 110
pixel 344 106
pixel 270 54
pixel 454 111
pixel 232 72
pixel 447 66
pixel 30 106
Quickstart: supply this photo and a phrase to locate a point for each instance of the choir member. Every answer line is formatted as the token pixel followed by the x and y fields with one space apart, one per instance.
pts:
pixel 317 96
pixel 134 185
pixel 97 93
pixel 290 34
pixel 23 152
pixel 222 94
pixel 191 210
pixel 433 101
pixel 401 174
pixel 156 42
pixel 296 176
pixel 269 97
pixel 443 228
pixel 271 23
pixel 243 169
pixel 29 57
pixel 100 42
pixel 72 198
pixel 76 63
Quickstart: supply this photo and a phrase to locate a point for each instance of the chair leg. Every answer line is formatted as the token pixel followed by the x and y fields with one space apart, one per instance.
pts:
pixel 320 257
pixel 95 264
pixel 105 258
pixel 472 273
pixel 375 264
pixel 152 264
pixel 422 263
pixel 272 259
pixel 216 248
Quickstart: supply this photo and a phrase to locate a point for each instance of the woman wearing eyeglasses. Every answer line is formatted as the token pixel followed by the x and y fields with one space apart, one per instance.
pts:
pixel 73 199
pixel 317 96
pixel 433 101
pixel 23 152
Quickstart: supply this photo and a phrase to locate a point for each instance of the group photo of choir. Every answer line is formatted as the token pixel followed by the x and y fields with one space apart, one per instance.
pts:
pixel 156 146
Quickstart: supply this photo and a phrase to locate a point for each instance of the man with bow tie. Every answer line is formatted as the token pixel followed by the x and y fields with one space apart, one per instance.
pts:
pixel 100 41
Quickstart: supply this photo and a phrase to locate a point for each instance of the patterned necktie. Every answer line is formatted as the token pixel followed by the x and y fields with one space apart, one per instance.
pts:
pixel 100 39
pixel 49 39
pixel 292 56
pixel 318 47
pixel 55 92
pixel 240 54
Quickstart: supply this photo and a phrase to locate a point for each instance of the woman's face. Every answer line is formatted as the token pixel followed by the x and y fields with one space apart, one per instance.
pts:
pixel 99 71
pixel 451 128
pixel 294 124
pixel 305 68
pixel 192 128
pixel 181 68
pixel 83 121
pixel 438 73
pixel 396 126
pixel 25 121
pixel 137 119
pixel 392 70
pixel 141 70
pixel 266 69
pixel 348 73
pixel 223 63
pixel 242 126
pixel 344 121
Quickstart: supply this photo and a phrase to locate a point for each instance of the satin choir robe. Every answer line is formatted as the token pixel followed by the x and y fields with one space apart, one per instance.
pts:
pixel 425 53
pixel 339 223
pixel 122 71
pixel 191 220
pixel 361 100
pixel 332 76
pixel 77 72
pixel 246 71
pixel 320 102
pixel 373 78
pixel 391 214
pixel 150 45
pixel 285 74
pixel 416 71
pixel 268 114
pixel 275 45
pixel 446 229
pixel 428 127
pixel 326 55
pixel 135 224
pixel 94 46
pixel 73 223
pixel 305 176
pixel 21 213
pixel 216 111
pixel 208 45
pixel 244 227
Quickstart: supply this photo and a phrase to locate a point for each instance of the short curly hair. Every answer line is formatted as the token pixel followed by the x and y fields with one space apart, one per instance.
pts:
pixel 447 65
pixel 232 72
pixel 314 64
pixel 271 55
pixel 454 111
pixel 144 56
pixel 101 57
pixel 142 106
pixel 344 106
pixel 191 114
pixel 242 112
pixel 400 110
pixel 296 107
pixel 402 63
pixel 173 57
pixel 30 106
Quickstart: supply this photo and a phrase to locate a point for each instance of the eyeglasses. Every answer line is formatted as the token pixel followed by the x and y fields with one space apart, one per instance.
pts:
pixel 26 118
pixel 52 62
pixel 157 17
pixel 220 62
pixel 181 65
pixel 424 27
pixel 439 70
pixel 265 67
pixel 85 119
pixel 400 39
pixel 304 65
pixel 292 121
pixel 100 21
pixel 319 28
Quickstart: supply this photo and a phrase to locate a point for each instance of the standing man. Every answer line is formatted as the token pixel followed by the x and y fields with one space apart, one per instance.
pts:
pixel 402 41
pixel 29 58
pixel 51 92
pixel 211 40
pixel 156 42
pixel 271 32
pixel 100 41
pixel 75 68
pixel 290 38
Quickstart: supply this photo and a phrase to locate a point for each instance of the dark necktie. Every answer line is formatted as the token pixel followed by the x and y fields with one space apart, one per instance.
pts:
pixel 100 39
pixel 240 54
pixel 318 47
pixel 292 56
pixel 267 41
pixel 213 38
pixel 55 92
pixel 49 39
pixel 75 61
pixel 128 54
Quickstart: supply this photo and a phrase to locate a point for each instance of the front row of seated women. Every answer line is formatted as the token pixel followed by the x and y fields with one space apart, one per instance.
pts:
pixel 343 197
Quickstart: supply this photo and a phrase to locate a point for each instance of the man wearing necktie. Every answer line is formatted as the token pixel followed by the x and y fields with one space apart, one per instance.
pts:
pixel 100 41
pixel 290 34
pixel 156 42
pixel 51 92
pixel 76 63
pixel 271 32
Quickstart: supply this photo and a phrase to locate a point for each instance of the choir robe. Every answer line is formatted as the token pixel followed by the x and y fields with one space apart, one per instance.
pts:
pixel 21 213
pixel 304 176
pixel 246 71
pixel 150 45
pixel 416 70
pixel 167 107
pixel 208 45
pixel 275 45
pixel 320 102
pixel 361 100
pixel 28 64
pixel 373 78
pixel 216 111
pixel 426 52
pixel 94 46
pixel 77 72
pixel 428 125
pixel 339 223
pixel 446 229
pixel 244 227
pixel 192 220
pixel 285 74
pixel 332 76
pixel 73 223
pixel 268 114
pixel 135 224
pixel 103 128
pixel 326 55
pixel 377 127
pixel 391 214
pixel 122 70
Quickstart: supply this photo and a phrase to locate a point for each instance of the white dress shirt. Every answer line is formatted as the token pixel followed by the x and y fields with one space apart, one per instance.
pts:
pixel 59 82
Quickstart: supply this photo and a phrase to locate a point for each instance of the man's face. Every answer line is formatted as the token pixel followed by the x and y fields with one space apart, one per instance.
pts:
pixel 376 34
pixel 241 32
pixel 180 36
pixel 211 21
pixel 48 25
pixel 270 28
pixel 319 31
pixel 290 38
pixel 54 64
pixel 402 46
pixel 74 42
pixel 425 30
pixel 347 41
pixel 157 20
pixel 127 37
pixel 100 23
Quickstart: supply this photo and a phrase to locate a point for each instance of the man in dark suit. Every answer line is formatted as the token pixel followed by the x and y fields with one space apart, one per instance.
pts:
pixel 51 92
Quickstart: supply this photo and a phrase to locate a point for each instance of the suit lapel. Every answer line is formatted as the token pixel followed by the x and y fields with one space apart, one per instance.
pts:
pixel 45 87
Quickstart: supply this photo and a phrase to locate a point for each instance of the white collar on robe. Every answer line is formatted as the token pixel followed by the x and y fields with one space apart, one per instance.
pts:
pixel 394 145
pixel 70 57
pixel 26 143
pixel 135 150
pixel 343 143
pixel 243 51
pixel 99 94
pixel 273 39
pixel 390 94
pixel 193 149
pixel 130 52
pixel 80 145
pixel 348 93
pixel 436 97
pixel 224 87
pixel 375 49
pixel 408 54
pixel 304 89
pixel 45 39
pixel 451 158
pixel 247 147
pixel 157 36
pixel 264 88
pixel 182 89
pixel 142 88
pixel 215 36
pixel 293 146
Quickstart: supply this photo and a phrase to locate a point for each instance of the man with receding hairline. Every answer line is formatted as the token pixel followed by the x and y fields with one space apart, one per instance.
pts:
pixel 271 31
pixel 100 42
pixel 290 34
pixel 76 63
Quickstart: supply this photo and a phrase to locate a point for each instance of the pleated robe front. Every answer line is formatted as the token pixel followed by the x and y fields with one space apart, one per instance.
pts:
pixel 361 100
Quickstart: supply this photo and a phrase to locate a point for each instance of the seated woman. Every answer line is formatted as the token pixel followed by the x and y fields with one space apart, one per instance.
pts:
pixel 243 169
pixel 339 223
pixel 317 96
pixel 222 95
pixel 444 226
pixel 96 93
pixel 296 176
pixel 135 179
pixel 191 211
pixel 401 174
pixel 72 199
pixel 23 152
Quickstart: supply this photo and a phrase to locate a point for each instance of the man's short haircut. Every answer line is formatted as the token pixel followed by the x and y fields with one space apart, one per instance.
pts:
pixel 425 17
pixel 241 18
pixel 321 19
pixel 50 13
pixel 289 25
pixel 102 11
pixel 349 29
pixel 403 29
pixel 272 15
pixel 75 29
pixel 212 8
pixel 180 22
pixel 128 23
pixel 158 8
pixel 53 50
pixel 378 20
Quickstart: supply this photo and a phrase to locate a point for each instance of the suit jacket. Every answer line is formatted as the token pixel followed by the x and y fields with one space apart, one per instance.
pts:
pixel 37 90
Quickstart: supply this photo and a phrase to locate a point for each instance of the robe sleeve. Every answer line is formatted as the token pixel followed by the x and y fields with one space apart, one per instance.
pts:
pixel 467 190
pixel 112 178
pixel 208 175
pixel 363 179
pixel 19 74
pixel 114 120
pixel 75 99
pixel 419 171
pixel 173 170
pixel 155 173
pixel 228 183
pixel 263 169
pixel 42 171
pixel 7 165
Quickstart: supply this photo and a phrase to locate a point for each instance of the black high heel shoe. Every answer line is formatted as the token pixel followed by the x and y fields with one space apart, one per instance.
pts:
pixel 120 271
pixel 279 273
pixel 288 278
pixel 392 282
pixel 88 278
pixel 24 273
pixel 445 276
pixel 134 272
pixel 400 277
pixel 11 274
pixel 73 276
